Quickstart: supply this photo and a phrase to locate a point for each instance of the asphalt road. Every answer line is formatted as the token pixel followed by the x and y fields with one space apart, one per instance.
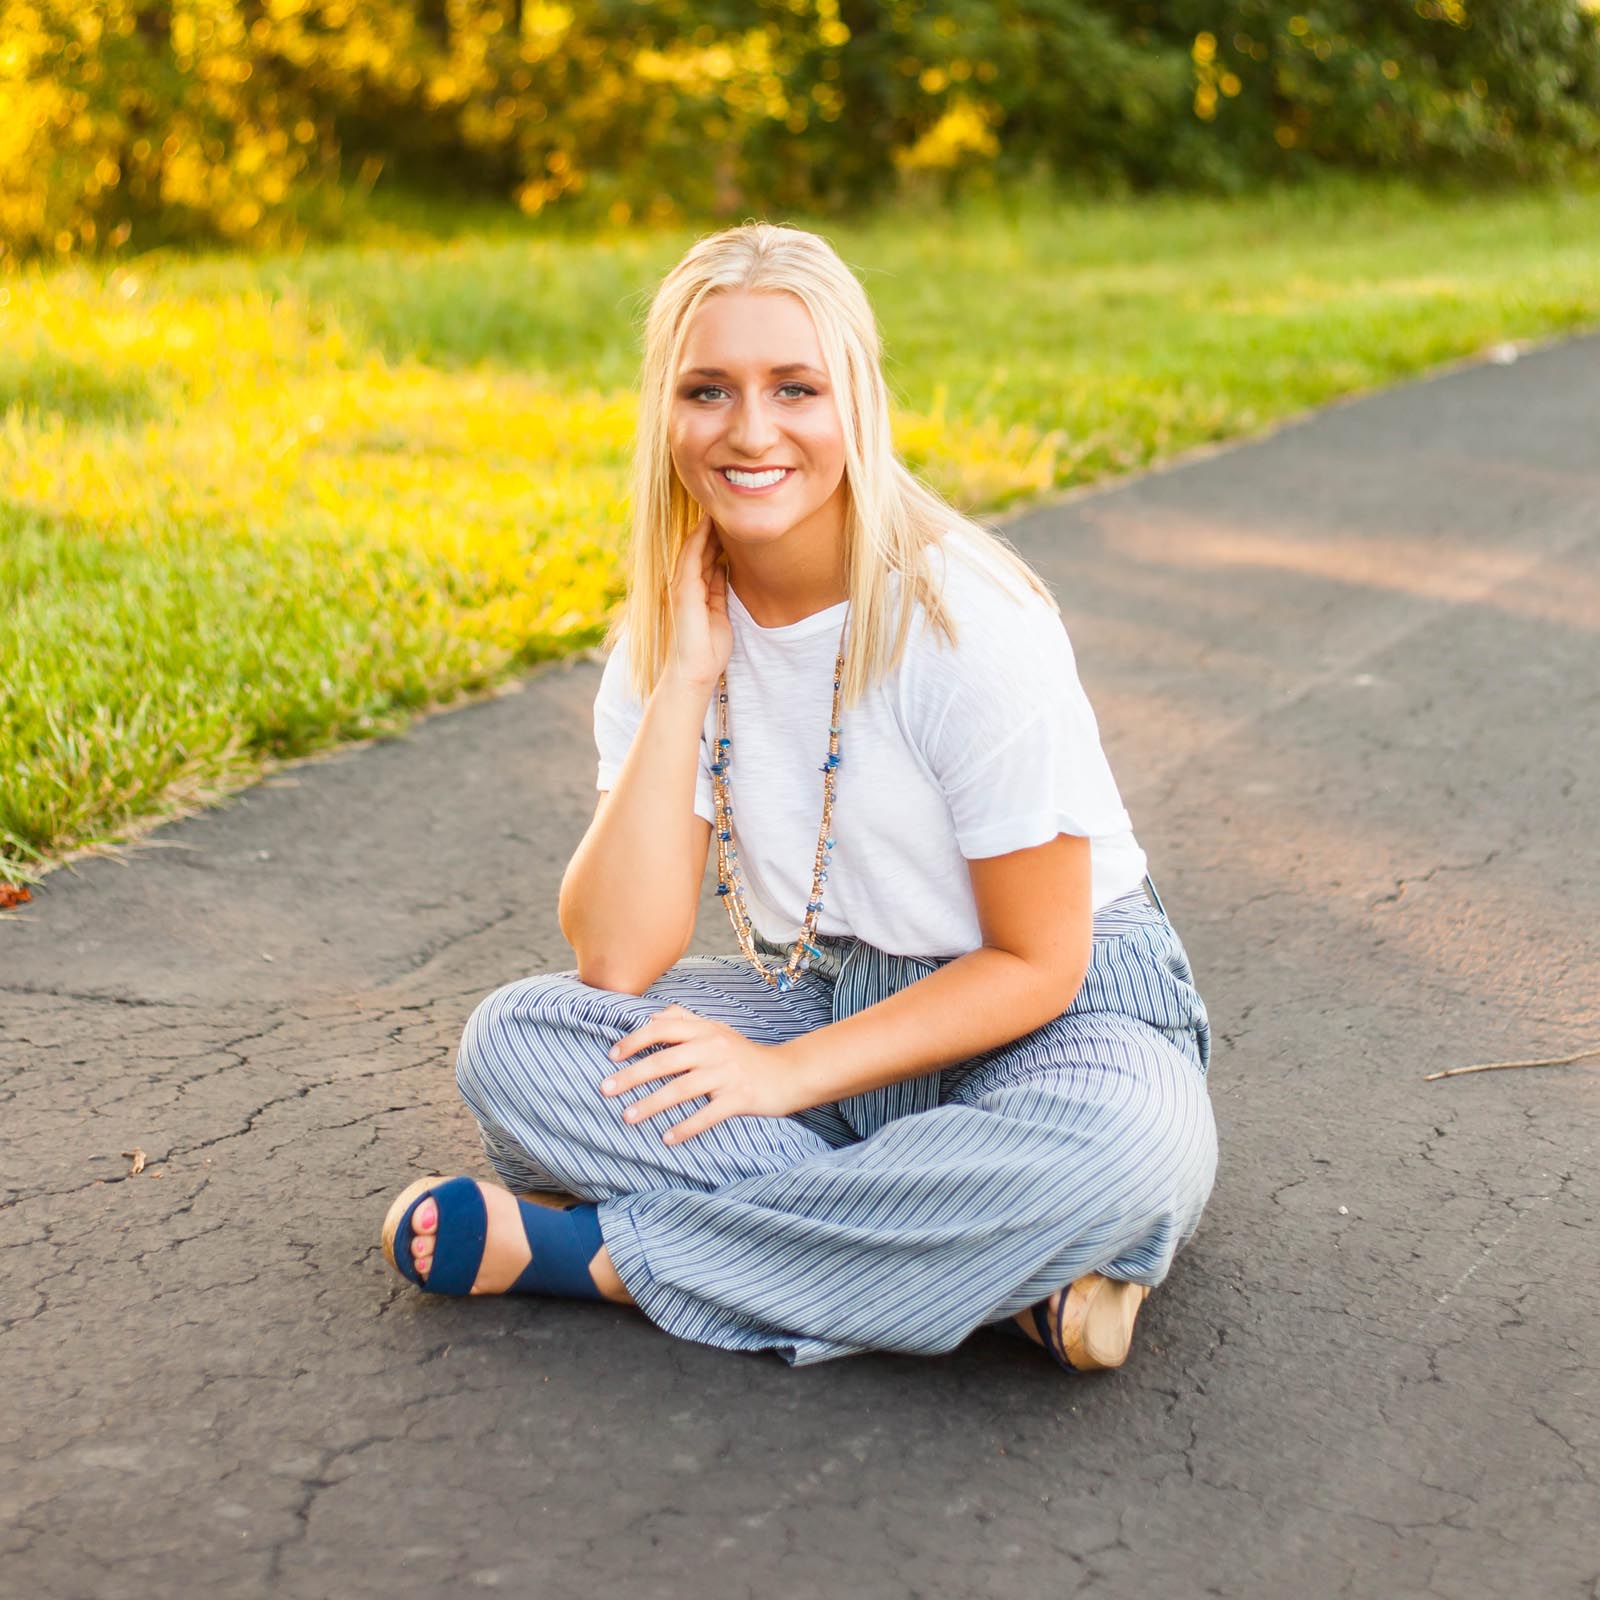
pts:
pixel 1348 679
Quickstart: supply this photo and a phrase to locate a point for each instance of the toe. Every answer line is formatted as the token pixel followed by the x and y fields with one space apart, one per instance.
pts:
pixel 424 1227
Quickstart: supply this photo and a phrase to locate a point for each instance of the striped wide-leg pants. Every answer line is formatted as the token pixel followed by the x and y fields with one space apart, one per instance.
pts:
pixel 900 1219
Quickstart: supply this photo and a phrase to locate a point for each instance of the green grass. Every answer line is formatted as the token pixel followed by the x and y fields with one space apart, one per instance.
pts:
pixel 253 507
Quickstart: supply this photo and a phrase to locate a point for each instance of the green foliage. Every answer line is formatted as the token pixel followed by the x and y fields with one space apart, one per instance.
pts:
pixel 249 508
pixel 1509 89
pixel 157 120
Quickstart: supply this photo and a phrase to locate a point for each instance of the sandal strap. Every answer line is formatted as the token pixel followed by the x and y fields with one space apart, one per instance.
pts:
pixel 457 1243
pixel 563 1243
pixel 1050 1336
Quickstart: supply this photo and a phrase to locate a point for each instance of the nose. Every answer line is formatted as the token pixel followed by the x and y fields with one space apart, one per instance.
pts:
pixel 752 430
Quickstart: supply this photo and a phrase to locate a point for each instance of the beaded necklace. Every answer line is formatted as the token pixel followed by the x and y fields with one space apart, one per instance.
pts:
pixel 730 881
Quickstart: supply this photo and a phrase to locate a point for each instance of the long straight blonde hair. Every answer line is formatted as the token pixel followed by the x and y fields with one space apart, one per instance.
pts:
pixel 891 516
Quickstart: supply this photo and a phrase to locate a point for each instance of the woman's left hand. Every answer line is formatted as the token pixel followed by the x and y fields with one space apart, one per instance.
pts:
pixel 742 1078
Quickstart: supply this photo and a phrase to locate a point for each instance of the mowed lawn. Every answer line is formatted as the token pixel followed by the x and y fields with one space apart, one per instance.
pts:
pixel 253 507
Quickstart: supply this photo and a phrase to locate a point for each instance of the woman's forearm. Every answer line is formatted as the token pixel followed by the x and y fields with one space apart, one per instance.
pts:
pixel 985 998
pixel 629 895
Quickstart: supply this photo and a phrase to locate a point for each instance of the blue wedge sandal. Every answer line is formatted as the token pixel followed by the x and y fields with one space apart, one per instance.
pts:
pixel 563 1241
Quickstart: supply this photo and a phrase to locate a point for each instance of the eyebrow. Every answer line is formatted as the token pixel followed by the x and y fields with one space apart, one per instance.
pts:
pixel 777 372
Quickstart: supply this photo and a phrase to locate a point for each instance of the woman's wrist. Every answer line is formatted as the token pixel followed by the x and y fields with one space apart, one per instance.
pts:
pixel 676 685
pixel 800 1075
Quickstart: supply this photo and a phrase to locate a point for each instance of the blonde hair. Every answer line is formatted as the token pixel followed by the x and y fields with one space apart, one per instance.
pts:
pixel 891 517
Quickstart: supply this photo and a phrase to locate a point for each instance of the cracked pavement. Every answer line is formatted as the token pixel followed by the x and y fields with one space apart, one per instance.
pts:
pixel 1348 676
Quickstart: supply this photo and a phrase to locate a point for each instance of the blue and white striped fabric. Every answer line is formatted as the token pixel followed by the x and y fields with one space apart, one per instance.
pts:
pixel 901 1219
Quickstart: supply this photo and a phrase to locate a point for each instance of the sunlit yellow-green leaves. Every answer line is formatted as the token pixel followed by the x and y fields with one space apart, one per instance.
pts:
pixel 131 123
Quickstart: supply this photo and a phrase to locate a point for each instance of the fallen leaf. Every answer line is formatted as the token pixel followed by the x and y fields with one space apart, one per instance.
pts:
pixel 137 1157
pixel 13 894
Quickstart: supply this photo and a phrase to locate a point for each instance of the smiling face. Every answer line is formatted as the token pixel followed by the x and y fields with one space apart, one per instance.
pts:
pixel 754 430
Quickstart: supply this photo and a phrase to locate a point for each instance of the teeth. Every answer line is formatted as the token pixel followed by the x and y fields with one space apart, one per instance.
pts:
pixel 753 480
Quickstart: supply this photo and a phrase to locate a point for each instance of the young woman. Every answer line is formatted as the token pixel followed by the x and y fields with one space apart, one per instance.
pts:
pixel 956 1074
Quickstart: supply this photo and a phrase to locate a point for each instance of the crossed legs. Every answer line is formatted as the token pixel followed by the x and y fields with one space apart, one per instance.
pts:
pixel 1087 1147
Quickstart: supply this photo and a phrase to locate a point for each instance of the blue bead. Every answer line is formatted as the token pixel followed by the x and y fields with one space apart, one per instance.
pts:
pixel 828 843
pixel 722 888
pixel 724 834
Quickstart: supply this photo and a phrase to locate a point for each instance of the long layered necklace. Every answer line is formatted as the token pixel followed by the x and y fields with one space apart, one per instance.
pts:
pixel 730 881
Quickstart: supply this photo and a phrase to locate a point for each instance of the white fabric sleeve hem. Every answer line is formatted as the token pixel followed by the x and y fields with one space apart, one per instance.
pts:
pixel 1034 828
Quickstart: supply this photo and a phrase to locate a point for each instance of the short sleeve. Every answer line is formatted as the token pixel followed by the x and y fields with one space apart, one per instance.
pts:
pixel 1016 750
pixel 618 711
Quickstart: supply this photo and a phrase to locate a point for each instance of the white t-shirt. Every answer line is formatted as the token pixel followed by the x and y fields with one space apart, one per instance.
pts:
pixel 961 753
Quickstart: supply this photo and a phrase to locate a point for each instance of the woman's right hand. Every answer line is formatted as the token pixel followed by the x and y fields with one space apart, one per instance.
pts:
pixel 703 636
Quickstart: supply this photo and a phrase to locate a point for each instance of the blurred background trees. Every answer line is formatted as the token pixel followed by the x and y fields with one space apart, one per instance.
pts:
pixel 255 121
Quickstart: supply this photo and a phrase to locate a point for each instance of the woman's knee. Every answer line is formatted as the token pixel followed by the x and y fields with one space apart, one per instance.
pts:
pixel 1171 1152
pixel 511 1045
pixel 1146 1182
pixel 1148 1146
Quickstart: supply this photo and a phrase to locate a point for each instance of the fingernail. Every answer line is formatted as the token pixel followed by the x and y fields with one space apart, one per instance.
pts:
pixel 630 1115
pixel 608 1085
pixel 614 1051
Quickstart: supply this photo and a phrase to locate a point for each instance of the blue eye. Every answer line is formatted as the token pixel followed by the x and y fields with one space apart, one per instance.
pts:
pixel 716 388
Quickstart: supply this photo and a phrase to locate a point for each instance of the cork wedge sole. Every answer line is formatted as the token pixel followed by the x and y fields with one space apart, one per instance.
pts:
pixel 1093 1331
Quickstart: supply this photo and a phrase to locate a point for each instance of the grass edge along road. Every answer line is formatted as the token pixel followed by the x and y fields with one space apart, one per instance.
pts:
pixel 256 508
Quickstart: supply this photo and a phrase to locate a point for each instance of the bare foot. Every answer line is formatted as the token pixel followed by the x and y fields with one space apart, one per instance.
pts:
pixel 505 1247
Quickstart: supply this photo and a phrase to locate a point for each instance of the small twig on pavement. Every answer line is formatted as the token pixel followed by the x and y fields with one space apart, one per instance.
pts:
pixel 1495 1066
